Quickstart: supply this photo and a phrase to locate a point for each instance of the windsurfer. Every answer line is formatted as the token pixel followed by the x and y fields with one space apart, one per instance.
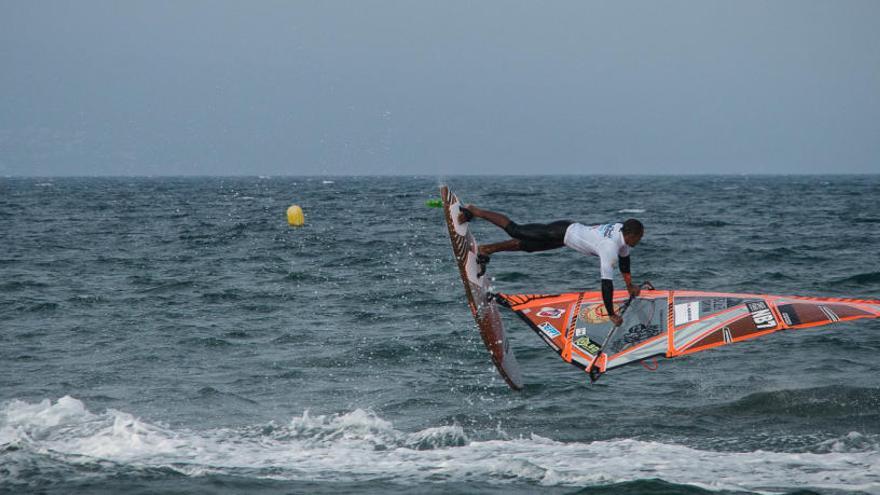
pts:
pixel 611 243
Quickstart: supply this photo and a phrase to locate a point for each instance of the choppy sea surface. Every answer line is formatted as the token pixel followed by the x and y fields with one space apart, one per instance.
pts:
pixel 175 335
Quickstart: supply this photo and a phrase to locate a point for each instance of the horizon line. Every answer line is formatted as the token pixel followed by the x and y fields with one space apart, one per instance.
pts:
pixel 416 175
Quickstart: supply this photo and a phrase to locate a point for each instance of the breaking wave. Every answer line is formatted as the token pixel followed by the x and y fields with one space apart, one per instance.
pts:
pixel 360 446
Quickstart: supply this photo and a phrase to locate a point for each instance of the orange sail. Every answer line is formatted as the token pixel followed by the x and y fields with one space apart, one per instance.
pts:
pixel 667 324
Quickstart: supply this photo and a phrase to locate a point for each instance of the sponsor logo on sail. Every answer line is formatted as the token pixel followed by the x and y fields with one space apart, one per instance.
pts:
pixel 761 315
pixel 551 313
pixel 587 345
pixel 596 313
pixel 549 330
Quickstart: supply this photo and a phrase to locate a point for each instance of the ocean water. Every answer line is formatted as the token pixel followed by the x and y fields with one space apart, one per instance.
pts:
pixel 175 335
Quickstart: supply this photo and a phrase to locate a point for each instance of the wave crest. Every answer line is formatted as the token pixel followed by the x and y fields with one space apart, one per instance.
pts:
pixel 65 440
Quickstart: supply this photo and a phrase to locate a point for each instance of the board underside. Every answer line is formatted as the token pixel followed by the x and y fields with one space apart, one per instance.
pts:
pixel 482 305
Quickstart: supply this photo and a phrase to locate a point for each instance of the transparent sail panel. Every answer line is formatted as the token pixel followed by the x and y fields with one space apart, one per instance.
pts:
pixel 643 320
pixel 689 309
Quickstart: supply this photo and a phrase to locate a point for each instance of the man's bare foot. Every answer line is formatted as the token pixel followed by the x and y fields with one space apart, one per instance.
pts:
pixel 482 261
pixel 465 214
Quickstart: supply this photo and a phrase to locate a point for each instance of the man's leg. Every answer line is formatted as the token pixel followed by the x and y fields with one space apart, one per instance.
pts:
pixel 495 218
pixel 489 249
pixel 499 220
pixel 508 245
pixel 529 237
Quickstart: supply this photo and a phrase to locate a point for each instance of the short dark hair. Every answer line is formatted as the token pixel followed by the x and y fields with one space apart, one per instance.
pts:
pixel 633 226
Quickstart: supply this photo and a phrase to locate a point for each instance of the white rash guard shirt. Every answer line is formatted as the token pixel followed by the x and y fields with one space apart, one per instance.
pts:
pixel 604 241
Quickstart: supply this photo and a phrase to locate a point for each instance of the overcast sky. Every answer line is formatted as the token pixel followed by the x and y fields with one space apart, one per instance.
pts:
pixel 189 87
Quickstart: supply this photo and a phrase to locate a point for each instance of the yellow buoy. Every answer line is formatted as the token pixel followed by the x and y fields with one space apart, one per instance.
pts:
pixel 295 216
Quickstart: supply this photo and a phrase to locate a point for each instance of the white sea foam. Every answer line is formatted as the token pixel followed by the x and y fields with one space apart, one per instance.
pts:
pixel 362 446
pixel 631 210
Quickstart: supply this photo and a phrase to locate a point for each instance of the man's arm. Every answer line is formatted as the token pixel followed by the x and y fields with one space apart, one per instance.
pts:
pixel 608 299
pixel 608 296
pixel 606 269
pixel 627 276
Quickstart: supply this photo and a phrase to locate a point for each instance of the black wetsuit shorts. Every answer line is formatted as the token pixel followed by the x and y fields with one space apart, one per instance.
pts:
pixel 539 236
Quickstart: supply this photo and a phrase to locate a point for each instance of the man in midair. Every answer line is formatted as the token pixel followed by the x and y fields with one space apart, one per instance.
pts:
pixel 611 243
